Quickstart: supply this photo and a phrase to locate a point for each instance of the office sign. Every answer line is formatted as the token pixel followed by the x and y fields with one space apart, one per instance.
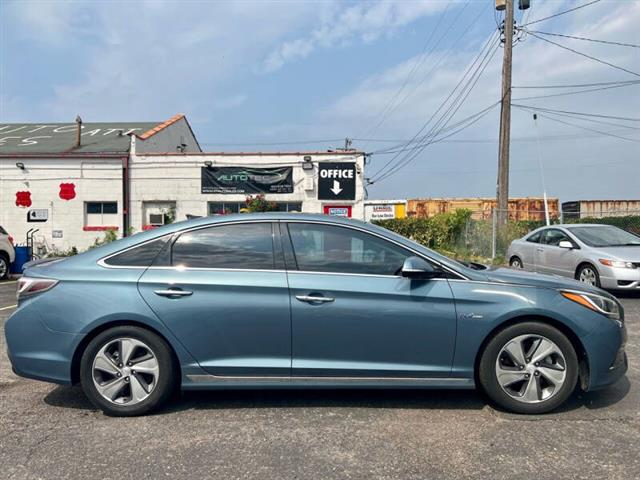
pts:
pixel 336 181
pixel 244 180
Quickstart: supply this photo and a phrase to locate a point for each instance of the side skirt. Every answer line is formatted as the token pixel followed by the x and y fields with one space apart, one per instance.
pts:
pixel 204 382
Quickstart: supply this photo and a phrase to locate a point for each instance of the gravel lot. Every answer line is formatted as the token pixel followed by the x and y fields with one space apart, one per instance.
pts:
pixel 49 431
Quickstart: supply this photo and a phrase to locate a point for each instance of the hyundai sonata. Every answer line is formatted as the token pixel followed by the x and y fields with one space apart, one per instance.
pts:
pixel 294 300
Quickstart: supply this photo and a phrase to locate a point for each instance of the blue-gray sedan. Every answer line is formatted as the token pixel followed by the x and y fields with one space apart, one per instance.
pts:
pixel 292 300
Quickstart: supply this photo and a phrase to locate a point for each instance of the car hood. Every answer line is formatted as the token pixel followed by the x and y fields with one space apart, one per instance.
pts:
pixel 519 277
pixel 628 254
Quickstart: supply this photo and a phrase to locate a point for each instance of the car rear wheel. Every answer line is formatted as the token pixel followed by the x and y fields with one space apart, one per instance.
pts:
pixel 4 266
pixel 529 368
pixel 588 274
pixel 515 262
pixel 127 371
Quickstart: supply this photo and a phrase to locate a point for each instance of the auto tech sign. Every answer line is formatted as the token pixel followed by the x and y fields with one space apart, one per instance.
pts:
pixel 336 181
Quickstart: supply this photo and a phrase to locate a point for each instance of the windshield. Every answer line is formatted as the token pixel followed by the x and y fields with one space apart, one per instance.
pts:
pixel 605 236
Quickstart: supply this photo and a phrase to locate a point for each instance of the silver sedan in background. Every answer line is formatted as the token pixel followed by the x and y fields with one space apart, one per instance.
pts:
pixel 601 255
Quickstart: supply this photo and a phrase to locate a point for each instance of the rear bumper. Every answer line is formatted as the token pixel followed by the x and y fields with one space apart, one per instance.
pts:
pixel 36 351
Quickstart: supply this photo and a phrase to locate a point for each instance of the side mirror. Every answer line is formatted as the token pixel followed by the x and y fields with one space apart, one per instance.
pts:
pixel 566 244
pixel 417 268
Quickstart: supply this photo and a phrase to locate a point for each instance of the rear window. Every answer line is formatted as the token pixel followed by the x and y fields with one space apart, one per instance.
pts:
pixel 3 231
pixel 140 256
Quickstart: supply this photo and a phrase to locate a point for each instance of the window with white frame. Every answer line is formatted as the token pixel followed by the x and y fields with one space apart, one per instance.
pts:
pixel 100 214
pixel 158 213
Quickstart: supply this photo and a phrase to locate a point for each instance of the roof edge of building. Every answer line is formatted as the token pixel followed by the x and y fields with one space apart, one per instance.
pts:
pixel 246 154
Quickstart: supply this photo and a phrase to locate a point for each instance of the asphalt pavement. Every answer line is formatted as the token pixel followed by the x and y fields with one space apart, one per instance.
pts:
pixel 49 431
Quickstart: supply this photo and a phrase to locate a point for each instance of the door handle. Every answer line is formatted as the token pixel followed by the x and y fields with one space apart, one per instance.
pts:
pixel 311 299
pixel 170 292
pixel 540 249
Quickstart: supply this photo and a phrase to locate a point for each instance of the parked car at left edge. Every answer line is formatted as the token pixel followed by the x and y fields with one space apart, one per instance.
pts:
pixel 7 253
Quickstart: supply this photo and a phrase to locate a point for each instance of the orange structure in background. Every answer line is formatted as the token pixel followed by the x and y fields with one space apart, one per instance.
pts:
pixel 529 208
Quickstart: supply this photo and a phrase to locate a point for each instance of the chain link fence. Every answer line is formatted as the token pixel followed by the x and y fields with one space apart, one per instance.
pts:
pixel 483 240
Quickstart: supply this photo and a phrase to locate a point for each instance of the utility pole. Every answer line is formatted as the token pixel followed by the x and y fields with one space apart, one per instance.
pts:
pixel 502 193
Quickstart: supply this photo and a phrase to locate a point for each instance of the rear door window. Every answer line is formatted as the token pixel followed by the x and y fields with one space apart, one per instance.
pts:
pixel 241 246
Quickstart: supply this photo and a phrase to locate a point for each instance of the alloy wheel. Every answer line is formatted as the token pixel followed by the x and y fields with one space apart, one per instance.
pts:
pixel 531 368
pixel 125 371
pixel 4 266
pixel 588 276
pixel 515 263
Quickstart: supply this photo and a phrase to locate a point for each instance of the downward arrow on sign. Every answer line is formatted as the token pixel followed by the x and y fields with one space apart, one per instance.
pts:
pixel 336 187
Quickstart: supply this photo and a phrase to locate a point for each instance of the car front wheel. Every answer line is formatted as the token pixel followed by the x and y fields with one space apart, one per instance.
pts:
pixel 589 275
pixel 127 371
pixel 529 368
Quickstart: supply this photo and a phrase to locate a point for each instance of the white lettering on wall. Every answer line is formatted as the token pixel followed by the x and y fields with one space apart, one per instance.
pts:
pixel 31 140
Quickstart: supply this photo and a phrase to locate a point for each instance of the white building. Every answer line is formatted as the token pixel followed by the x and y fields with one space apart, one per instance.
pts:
pixel 73 182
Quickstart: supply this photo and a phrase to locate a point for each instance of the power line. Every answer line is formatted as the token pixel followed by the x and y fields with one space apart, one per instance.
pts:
pixel 582 114
pixel 578 85
pixel 587 128
pixel 621 44
pixel 422 128
pixel 561 13
pixel 417 64
pixel 591 120
pixel 577 92
pixel 409 157
pixel 584 54
pixel 434 66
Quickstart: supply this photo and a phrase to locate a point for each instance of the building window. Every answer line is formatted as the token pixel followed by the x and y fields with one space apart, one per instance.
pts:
pixel 101 214
pixel 226 208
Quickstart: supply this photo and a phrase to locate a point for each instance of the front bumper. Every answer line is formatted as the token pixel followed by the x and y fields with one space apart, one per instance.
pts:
pixel 619 278
pixel 36 351
pixel 606 354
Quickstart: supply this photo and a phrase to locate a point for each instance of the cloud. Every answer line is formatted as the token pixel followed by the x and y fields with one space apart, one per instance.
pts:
pixel 365 22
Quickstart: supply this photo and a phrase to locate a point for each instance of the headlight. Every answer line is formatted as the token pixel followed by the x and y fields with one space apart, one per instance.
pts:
pixel 616 263
pixel 597 303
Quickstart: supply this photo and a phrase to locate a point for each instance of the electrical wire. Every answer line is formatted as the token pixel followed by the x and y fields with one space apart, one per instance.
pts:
pixel 606 42
pixel 577 85
pixel 492 39
pixel 578 91
pixel 451 111
pixel 433 67
pixel 581 114
pixel 583 54
pixel 587 128
pixel 418 63
pixel 591 120
pixel 561 13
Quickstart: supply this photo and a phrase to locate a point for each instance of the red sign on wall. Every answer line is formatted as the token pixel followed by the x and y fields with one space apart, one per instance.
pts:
pixel 23 199
pixel 67 191
pixel 338 210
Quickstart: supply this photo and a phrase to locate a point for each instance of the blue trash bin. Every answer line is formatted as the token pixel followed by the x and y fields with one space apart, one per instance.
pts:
pixel 23 255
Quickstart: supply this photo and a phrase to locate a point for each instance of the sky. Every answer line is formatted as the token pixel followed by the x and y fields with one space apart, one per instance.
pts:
pixel 303 75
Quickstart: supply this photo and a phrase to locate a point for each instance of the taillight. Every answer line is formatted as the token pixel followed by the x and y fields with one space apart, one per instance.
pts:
pixel 29 286
pixel 10 239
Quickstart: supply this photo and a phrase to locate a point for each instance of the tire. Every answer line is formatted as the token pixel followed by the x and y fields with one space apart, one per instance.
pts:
pixel 515 262
pixel 117 388
pixel 4 266
pixel 549 383
pixel 588 274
